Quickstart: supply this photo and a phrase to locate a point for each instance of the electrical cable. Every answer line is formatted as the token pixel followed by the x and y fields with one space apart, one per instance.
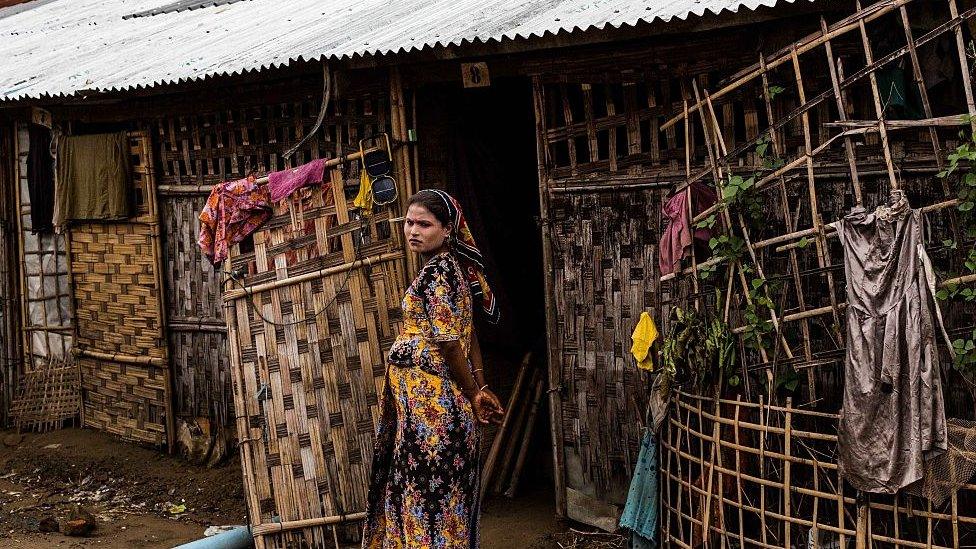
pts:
pixel 249 296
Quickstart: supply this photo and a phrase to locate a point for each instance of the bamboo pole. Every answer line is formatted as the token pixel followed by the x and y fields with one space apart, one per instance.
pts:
pixel 526 439
pixel 923 92
pixel 152 204
pixel 823 256
pixel 554 359
pixel 788 219
pixel 238 293
pixel 140 360
pixel 24 305
pixel 398 125
pixel 878 108
pixel 842 114
pixel 762 471
pixel 787 474
pixel 967 84
pixel 502 433
pixel 689 202
pixel 511 444
pixel 720 149
pixel 738 472
pixel 286 526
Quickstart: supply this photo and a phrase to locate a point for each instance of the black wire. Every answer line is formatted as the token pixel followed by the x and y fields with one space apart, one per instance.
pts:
pixel 357 246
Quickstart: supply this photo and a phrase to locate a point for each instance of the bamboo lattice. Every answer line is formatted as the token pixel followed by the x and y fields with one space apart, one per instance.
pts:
pixel 48 396
pixel 760 470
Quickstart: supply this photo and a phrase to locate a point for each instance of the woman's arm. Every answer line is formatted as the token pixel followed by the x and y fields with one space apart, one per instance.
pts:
pixel 458 366
pixel 485 404
pixel 477 365
pixel 494 406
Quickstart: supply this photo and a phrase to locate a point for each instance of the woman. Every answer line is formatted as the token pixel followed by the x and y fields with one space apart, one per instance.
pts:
pixel 424 490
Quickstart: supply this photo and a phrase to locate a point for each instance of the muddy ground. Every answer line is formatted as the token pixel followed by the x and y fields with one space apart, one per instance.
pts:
pixel 142 498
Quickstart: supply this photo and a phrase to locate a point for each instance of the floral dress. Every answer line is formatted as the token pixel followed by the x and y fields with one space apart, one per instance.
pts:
pixel 426 475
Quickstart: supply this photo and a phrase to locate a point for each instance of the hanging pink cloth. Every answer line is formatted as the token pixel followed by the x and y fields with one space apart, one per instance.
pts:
pixel 283 183
pixel 678 237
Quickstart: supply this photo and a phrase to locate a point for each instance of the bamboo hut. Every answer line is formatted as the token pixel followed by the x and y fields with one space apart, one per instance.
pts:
pixel 578 138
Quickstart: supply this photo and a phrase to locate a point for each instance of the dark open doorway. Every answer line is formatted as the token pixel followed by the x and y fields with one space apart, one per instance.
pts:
pixel 479 145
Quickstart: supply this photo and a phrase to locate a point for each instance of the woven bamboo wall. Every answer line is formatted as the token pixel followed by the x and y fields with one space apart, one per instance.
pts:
pixel 604 252
pixel 306 379
pixel 196 151
pixel 121 345
pixel 604 165
pixel 306 392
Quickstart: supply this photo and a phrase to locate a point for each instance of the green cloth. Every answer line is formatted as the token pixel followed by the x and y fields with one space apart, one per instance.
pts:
pixel 93 177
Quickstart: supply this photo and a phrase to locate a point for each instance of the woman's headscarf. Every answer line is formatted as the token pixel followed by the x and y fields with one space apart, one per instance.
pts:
pixel 469 256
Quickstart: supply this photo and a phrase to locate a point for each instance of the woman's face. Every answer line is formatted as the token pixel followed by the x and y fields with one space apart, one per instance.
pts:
pixel 423 232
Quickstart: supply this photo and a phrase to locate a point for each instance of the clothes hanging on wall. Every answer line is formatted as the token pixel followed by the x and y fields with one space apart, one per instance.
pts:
pixel 234 210
pixel 92 177
pixel 679 236
pixel 364 198
pixel 281 184
pixel 40 178
pixel 641 512
pixel 643 337
pixel 893 416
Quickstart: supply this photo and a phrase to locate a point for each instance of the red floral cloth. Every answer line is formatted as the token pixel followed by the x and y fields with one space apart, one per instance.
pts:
pixel 234 210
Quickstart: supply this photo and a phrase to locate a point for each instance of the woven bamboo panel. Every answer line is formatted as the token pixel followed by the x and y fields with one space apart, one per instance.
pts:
pixel 204 148
pixel 198 346
pixel 306 392
pixel 604 252
pixel 123 357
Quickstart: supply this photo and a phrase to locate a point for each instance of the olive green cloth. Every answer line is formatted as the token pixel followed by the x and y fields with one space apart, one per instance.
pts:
pixel 93 178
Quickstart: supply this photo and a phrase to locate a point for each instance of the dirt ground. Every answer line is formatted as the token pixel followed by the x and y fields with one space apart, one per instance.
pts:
pixel 142 498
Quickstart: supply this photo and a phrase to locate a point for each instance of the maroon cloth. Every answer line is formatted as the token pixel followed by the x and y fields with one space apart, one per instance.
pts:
pixel 283 183
pixel 678 237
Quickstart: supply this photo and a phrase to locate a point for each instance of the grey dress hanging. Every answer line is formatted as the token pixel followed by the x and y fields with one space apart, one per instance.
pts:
pixel 893 415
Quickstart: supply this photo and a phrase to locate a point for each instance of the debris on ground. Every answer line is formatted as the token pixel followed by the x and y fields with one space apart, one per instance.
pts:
pixel 578 539
pixel 89 485
pixel 78 522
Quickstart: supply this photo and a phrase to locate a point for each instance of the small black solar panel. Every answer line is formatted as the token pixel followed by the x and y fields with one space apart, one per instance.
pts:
pixel 180 5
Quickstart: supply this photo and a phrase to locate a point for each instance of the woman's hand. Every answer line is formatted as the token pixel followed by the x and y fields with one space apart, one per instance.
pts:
pixel 486 407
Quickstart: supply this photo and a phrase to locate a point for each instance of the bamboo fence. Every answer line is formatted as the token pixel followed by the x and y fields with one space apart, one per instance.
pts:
pixel 755 474
pixel 757 471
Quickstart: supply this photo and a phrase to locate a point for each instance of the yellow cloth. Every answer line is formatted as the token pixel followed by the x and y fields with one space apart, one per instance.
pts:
pixel 644 335
pixel 364 200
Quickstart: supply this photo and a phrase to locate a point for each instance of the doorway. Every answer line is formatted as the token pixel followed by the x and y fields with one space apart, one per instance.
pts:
pixel 479 145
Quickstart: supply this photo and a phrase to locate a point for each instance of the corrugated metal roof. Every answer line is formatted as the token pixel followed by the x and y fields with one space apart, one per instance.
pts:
pixel 59 47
